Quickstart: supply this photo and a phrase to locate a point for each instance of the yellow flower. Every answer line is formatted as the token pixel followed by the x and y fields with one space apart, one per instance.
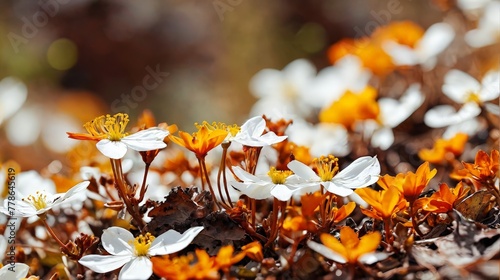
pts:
pixel 409 184
pixel 445 150
pixel 384 204
pixel 201 142
pixel 352 107
pixel 253 250
pixel 350 249
pixel 403 32
pixel 225 258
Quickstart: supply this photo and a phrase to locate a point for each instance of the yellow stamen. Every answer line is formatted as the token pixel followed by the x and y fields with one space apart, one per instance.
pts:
pixel 142 244
pixel 39 200
pixel 473 97
pixel 279 176
pixel 232 129
pixel 327 167
pixel 108 127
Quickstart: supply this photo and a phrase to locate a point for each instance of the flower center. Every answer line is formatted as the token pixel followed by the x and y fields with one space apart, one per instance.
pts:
pixel 473 97
pixel 231 129
pixel 142 244
pixel 279 176
pixel 39 200
pixel 110 127
pixel 326 167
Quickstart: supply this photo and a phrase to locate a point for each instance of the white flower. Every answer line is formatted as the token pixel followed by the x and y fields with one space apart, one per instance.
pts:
pixel 392 113
pixel 114 142
pixel 283 90
pixel 462 88
pixel 433 42
pixel 362 172
pixel 321 138
pixel 14 272
pixel 488 29
pixel 464 120
pixel 39 202
pixel 279 184
pixel 134 253
pixel 348 73
pixel 251 135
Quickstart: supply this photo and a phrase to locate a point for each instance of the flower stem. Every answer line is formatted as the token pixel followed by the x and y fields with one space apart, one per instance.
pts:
pixel 204 171
pixel 143 186
pixel 53 234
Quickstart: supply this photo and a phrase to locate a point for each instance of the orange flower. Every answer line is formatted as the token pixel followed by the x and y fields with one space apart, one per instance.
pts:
pixel 180 268
pixel 253 250
pixel 310 202
pixel 369 52
pixel 350 249
pixel 340 214
pixel 445 150
pixel 352 107
pixel 443 200
pixel 201 142
pixel 225 258
pixel 484 170
pixel 402 32
pixel 384 204
pixel 409 184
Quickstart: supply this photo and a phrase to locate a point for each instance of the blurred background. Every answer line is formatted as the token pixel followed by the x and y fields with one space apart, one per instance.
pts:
pixel 185 60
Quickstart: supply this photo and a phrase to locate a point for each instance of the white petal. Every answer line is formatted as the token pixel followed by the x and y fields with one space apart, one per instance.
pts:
pixel 146 140
pixel 266 83
pixel 13 94
pixel 261 190
pixel 299 73
pixel 112 149
pixel 326 252
pixel 338 190
pixel 244 175
pixel 302 170
pixel 16 272
pixel 457 85
pixel 103 264
pixel 78 188
pixel 358 200
pixel 360 173
pixel 140 268
pixel 382 138
pixel 282 192
pixel 172 241
pixel 478 38
pixel 469 127
pixel 372 258
pixel 116 241
pixel 445 115
pixel 490 86
pixel 24 127
pixel 492 108
pixel 394 112
pixel 435 40
pixel 400 54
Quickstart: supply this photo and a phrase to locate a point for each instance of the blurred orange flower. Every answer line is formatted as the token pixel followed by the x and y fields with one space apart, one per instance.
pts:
pixel 402 32
pixel 445 150
pixel 352 107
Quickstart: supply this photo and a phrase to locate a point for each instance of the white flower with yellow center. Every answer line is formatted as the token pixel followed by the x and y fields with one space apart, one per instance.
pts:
pixel 112 139
pixel 133 253
pixel 463 88
pixel 281 184
pixel 39 202
pixel 362 172
pixel 252 134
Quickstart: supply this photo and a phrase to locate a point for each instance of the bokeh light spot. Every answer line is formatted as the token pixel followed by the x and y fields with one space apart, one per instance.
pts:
pixel 62 54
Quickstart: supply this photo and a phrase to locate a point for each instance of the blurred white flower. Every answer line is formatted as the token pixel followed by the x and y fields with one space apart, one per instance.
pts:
pixel 462 88
pixel 133 253
pixel 433 42
pixel 283 91
pixel 321 138
pixel 392 113
pixel 348 73
pixel 13 94
pixel 14 271
pixel 464 120
pixel 488 28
